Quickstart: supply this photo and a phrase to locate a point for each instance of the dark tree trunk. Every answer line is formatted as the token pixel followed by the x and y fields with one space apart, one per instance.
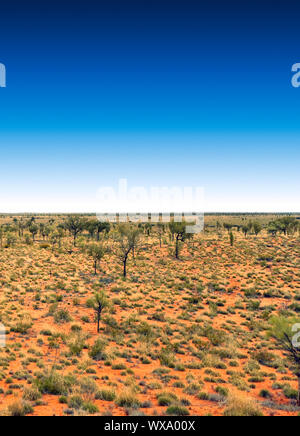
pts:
pixel 177 248
pixel 124 267
pixel 99 310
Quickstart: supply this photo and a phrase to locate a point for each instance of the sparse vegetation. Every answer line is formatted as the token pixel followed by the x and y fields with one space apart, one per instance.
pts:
pixel 209 334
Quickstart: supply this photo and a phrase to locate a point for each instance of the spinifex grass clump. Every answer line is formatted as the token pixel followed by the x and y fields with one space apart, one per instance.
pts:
pixel 51 382
pixel 97 351
pixel 128 399
pixel 242 406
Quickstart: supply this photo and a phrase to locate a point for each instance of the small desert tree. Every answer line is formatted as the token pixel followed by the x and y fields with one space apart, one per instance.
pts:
pixel 96 227
pixel 42 230
pixel 148 228
pixel 96 252
pixel 128 238
pixel 178 232
pixel 228 227
pixel 282 331
pixel 75 225
pixel 286 225
pixel 273 229
pixel 47 231
pixel 98 303
pixel 10 240
pixel 257 228
pixel 21 227
pixel 54 239
pixel 33 229
pixel 56 235
pixel 60 235
pixel 246 229
pixel 134 238
pixel 231 236
pixel 160 232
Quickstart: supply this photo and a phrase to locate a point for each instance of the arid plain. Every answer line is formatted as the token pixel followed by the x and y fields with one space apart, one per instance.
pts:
pixel 177 336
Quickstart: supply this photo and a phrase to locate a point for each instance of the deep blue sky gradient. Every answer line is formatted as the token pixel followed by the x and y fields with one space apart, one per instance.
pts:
pixel 157 91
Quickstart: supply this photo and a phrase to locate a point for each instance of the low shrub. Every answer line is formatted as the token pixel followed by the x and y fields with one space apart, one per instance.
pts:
pixel 177 411
pixel 240 406
pixel 128 399
pixel 106 395
pixel 20 408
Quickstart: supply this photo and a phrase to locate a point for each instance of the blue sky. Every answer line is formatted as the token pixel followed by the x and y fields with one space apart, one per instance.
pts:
pixel 188 93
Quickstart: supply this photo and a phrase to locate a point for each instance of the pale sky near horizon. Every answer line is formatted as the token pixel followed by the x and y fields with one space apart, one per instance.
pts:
pixel 40 177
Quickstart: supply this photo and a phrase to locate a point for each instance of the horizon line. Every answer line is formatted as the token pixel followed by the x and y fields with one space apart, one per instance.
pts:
pixel 149 213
